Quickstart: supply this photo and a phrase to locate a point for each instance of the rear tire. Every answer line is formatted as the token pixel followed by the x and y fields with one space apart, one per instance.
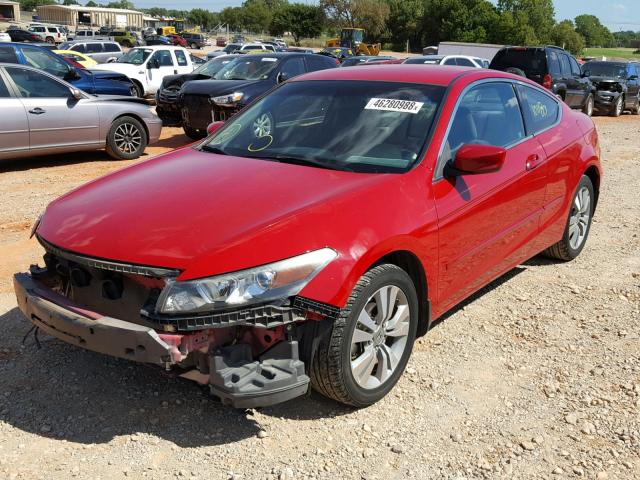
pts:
pixel 371 341
pixel 139 91
pixel 127 139
pixel 588 106
pixel 193 134
pixel 194 46
pixel 49 40
pixel 578 224
pixel 635 110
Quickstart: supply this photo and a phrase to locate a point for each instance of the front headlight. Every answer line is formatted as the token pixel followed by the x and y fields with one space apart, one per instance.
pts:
pixel 230 99
pixel 256 285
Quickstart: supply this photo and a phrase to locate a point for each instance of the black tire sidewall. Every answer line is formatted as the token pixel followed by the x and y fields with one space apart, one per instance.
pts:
pixel 396 277
pixel 584 182
pixel 113 148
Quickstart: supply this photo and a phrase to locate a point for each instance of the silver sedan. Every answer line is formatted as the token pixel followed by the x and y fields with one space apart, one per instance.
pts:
pixel 41 114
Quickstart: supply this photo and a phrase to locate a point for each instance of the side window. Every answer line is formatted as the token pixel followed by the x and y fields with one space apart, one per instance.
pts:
pixel 449 61
pixel 111 47
pixel 8 55
pixel 81 33
pixel 488 114
pixel 293 67
pixel 35 85
pixel 78 48
pixel 94 48
pixel 575 68
pixel 181 58
pixel 164 58
pixel 553 63
pixel 44 61
pixel 318 63
pixel 565 66
pixel 4 91
pixel 541 111
pixel 464 62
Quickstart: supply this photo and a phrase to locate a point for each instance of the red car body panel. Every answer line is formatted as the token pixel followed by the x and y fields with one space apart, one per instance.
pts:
pixel 208 214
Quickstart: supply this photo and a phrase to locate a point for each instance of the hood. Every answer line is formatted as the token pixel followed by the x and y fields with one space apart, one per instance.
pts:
pixel 606 83
pixel 178 80
pixel 122 68
pixel 119 98
pixel 110 74
pixel 179 209
pixel 217 87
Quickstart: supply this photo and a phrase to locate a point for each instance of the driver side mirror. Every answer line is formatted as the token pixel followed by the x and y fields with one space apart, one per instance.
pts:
pixel 77 94
pixel 473 159
pixel 213 127
pixel 282 77
pixel 153 63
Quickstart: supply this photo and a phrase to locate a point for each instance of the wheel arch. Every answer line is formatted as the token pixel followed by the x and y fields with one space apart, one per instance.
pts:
pixel 132 115
pixel 594 175
pixel 411 264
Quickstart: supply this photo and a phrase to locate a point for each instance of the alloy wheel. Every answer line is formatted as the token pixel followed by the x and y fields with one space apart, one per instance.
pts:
pixel 380 337
pixel 619 106
pixel 127 138
pixel 589 111
pixel 579 219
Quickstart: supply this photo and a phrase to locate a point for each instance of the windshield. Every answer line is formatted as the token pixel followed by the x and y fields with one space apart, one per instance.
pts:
pixel 212 66
pixel 614 70
pixel 355 35
pixel 136 56
pixel 232 47
pixel 354 126
pixel 247 68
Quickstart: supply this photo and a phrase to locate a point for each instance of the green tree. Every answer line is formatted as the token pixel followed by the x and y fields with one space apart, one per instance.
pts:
pixel 255 15
pixel 302 20
pixel 70 2
pixel 565 36
pixel 30 5
pixel 405 23
pixel 372 15
pixel 594 33
pixel 232 16
pixel 203 18
pixel 123 4
pixel 156 12
pixel 537 14
pixel 340 12
pixel 91 3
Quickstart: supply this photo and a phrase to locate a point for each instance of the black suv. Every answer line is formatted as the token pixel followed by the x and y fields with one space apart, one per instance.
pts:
pixel 237 84
pixel 194 40
pixel 552 67
pixel 617 86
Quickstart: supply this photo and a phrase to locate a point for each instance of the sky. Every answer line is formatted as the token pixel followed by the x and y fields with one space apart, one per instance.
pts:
pixel 615 14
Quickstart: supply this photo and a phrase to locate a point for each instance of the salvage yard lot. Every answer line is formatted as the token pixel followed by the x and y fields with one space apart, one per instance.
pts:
pixel 538 376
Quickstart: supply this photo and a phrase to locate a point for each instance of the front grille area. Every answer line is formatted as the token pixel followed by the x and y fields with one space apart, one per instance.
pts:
pixel 198 112
pixel 169 95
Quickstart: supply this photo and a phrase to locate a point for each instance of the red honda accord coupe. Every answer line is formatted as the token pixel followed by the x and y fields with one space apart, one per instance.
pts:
pixel 312 237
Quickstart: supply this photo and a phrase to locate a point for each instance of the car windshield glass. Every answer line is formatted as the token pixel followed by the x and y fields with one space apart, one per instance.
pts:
pixel 251 68
pixel 232 47
pixel 212 66
pixel 353 126
pixel 614 70
pixel 136 56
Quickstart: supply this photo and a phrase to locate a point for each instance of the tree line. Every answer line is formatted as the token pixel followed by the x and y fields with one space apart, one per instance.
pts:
pixel 402 23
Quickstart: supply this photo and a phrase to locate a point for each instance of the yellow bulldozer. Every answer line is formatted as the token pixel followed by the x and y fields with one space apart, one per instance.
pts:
pixel 353 38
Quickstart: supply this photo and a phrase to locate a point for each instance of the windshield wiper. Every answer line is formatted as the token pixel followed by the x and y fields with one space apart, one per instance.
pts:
pixel 211 149
pixel 303 161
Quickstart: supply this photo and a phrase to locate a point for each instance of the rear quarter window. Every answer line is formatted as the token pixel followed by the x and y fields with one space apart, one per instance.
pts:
pixel 540 110
pixel 528 60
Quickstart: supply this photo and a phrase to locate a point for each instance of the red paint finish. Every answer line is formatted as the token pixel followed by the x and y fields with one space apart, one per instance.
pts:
pixel 207 214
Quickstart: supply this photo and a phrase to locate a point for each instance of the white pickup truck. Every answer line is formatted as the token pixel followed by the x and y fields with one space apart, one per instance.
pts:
pixel 147 66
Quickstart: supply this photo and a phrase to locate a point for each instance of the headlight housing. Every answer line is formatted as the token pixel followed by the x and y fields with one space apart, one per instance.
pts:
pixel 256 285
pixel 230 99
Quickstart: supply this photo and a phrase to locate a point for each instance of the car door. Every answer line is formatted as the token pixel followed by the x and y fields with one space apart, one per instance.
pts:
pixel 14 127
pixel 56 118
pixel 162 64
pixel 633 86
pixel 571 94
pixel 290 68
pixel 582 84
pixel 94 50
pixel 486 221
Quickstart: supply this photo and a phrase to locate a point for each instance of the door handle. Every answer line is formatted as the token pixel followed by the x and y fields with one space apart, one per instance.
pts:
pixel 533 161
pixel 37 111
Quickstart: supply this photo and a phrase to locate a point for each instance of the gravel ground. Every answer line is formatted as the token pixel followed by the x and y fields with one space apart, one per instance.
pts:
pixel 536 377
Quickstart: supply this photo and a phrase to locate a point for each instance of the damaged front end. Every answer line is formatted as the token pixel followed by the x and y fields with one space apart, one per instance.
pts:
pixel 607 93
pixel 250 354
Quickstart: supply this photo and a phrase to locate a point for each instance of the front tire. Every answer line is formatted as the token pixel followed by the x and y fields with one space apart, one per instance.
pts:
pixel 137 90
pixel 194 46
pixel 126 139
pixel 371 341
pixel 578 224
pixel 618 107
pixel 193 134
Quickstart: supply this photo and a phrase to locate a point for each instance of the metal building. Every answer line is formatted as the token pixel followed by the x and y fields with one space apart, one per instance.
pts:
pixel 86 17
pixel 9 12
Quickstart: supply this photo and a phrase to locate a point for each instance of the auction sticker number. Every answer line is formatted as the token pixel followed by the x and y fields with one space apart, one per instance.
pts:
pixel 394 105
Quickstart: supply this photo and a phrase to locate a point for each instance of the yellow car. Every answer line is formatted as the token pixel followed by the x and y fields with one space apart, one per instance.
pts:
pixel 77 57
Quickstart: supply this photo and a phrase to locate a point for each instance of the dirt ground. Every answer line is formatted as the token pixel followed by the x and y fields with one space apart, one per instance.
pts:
pixel 536 377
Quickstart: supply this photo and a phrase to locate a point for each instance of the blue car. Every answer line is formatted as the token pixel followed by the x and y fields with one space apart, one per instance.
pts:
pixel 100 83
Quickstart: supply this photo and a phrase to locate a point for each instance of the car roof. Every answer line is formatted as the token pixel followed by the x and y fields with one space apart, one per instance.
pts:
pixel 406 73
pixel 163 47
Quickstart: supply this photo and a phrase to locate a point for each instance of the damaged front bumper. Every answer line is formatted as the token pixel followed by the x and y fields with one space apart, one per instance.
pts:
pixel 231 370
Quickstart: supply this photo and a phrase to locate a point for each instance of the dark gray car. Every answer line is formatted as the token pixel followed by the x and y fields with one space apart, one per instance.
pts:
pixel 42 114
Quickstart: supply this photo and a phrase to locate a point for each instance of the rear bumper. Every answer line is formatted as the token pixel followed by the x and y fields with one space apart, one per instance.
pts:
pixel 105 335
pixel 155 129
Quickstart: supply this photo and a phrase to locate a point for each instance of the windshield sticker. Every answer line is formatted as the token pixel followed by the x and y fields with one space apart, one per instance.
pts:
pixel 393 105
pixel 269 59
